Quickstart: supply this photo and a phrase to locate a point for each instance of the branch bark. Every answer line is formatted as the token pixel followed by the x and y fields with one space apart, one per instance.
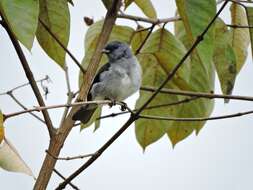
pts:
pixel 57 142
pixel 197 118
pixel 149 20
pixel 198 94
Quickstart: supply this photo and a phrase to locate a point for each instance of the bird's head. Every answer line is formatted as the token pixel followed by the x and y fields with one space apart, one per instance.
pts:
pixel 116 50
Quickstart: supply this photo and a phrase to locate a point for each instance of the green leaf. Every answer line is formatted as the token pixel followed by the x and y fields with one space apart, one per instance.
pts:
pixel 249 11
pixel 224 57
pixel 168 51
pixel 138 38
pixel 149 131
pixel 127 3
pixel 158 57
pixel 1 127
pixel 120 33
pixel 202 70
pixel 107 3
pixel 145 5
pixel 22 18
pixel 240 36
pixel 10 159
pixel 55 15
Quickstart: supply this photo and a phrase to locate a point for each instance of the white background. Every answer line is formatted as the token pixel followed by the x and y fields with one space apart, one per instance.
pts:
pixel 219 158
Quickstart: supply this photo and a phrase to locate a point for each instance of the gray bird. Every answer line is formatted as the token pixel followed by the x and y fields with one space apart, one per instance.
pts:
pixel 116 80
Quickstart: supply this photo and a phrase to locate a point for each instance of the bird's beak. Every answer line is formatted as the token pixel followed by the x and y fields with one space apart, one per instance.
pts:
pixel 106 51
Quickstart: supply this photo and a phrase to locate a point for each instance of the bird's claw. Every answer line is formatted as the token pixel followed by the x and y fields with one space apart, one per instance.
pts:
pixel 123 106
pixel 112 103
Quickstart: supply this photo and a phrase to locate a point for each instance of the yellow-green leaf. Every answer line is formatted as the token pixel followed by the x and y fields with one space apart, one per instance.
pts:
pixel 145 5
pixel 249 11
pixel 128 2
pixel 159 55
pixel 240 36
pixel 224 57
pixel 1 127
pixel 10 159
pixel 107 3
pixel 138 38
pixel 120 33
pixel 149 131
pixel 202 70
pixel 22 17
pixel 55 15
pixel 168 51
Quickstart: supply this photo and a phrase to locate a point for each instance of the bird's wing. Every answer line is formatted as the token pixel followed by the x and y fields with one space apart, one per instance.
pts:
pixel 105 67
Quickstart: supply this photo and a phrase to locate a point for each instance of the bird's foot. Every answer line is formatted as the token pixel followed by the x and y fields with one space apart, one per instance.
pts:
pixel 123 106
pixel 112 103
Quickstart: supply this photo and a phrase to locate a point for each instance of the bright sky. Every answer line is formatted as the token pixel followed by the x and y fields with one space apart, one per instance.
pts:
pixel 219 158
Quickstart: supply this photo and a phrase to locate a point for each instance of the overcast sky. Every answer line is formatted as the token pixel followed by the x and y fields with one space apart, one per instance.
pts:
pixel 219 158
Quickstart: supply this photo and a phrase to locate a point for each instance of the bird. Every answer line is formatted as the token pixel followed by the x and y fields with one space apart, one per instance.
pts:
pixel 116 80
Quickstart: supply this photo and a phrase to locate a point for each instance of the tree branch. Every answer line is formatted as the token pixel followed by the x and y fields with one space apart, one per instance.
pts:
pixel 70 94
pixel 61 176
pixel 63 131
pixel 186 100
pixel 42 108
pixel 198 94
pixel 70 158
pixel 238 26
pixel 46 78
pixel 30 77
pixel 133 117
pixel 146 38
pixel 197 118
pixel 148 20
pixel 24 107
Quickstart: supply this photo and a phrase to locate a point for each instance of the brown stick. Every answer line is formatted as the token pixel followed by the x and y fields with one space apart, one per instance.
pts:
pixel 63 131
pixel 148 20
pixel 197 94
pixel 197 118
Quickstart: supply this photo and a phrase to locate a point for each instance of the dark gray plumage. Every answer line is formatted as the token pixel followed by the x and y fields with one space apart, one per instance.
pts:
pixel 116 80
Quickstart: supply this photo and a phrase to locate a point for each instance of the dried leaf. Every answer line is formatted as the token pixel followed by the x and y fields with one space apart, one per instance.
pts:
pixel 10 160
pixel 240 36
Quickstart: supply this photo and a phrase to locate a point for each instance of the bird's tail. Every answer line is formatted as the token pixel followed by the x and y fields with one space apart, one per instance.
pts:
pixel 85 113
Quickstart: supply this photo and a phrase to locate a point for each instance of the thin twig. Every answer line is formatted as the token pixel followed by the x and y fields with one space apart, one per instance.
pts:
pixel 62 45
pixel 70 158
pixel 42 108
pixel 61 176
pixel 46 78
pixel 148 20
pixel 198 94
pixel 135 116
pixel 238 26
pixel 186 100
pixel 24 107
pixel 146 38
pixel 70 94
pixel 30 77
pixel 197 118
